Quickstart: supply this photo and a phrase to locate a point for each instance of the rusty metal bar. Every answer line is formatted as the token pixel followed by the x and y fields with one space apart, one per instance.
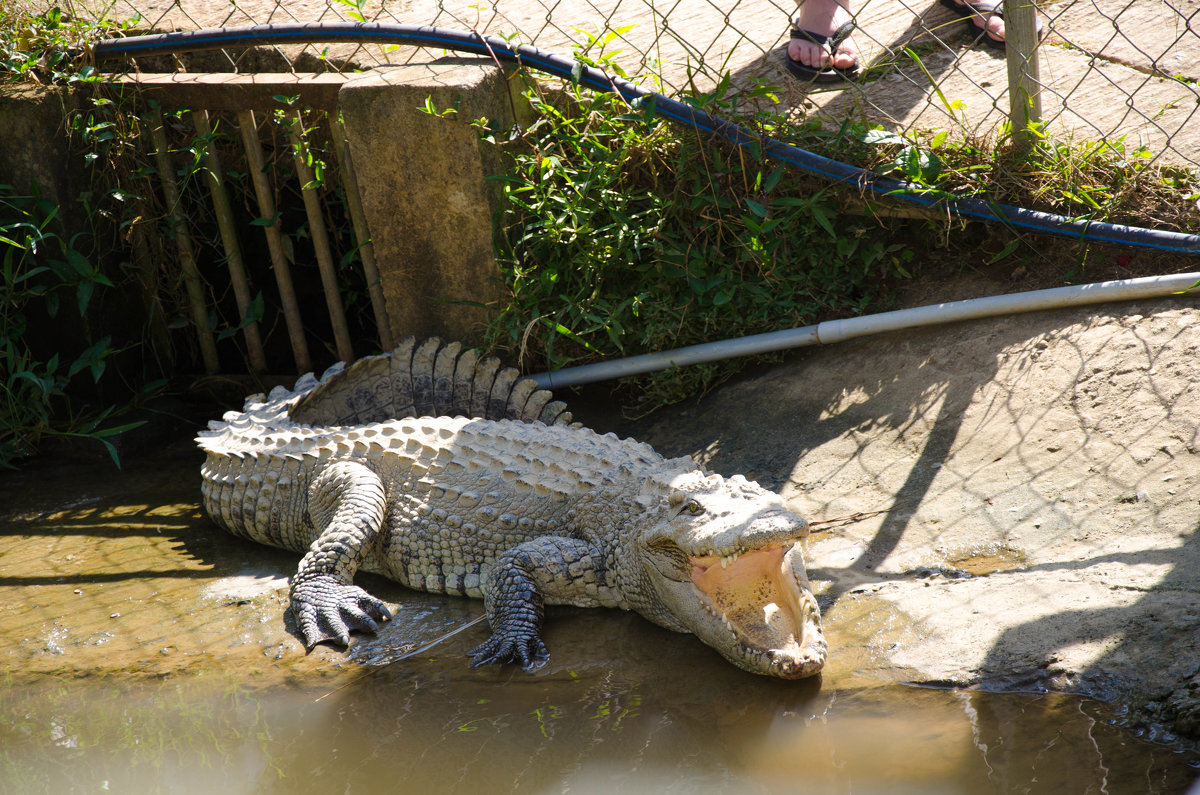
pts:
pixel 279 264
pixel 211 165
pixel 358 219
pixel 320 238
pixel 183 242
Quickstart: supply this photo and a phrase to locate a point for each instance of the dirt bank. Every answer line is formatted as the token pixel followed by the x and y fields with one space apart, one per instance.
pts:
pixel 1030 492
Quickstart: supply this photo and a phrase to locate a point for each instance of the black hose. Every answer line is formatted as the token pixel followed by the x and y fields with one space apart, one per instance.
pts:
pixel 570 69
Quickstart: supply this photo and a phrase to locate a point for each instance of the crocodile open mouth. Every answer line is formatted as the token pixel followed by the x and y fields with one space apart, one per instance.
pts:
pixel 757 597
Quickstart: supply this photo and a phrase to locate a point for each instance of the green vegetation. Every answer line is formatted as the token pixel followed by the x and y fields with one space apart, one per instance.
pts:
pixel 52 277
pixel 42 271
pixel 623 234
pixel 50 47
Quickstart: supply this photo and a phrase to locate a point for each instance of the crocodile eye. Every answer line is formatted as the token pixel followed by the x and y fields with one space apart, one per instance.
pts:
pixel 694 508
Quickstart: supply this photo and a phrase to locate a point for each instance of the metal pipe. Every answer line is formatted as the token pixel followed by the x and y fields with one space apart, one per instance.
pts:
pixel 832 331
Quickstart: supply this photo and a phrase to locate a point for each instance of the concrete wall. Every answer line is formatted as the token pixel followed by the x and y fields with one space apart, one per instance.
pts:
pixel 35 148
pixel 422 182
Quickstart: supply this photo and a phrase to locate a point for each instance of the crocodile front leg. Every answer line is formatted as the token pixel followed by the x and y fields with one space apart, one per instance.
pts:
pixel 346 504
pixel 567 570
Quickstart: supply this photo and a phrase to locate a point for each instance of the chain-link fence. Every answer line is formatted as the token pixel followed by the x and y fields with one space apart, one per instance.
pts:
pixel 1110 70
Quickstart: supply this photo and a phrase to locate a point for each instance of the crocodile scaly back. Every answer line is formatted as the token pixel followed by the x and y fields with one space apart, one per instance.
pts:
pixel 427 379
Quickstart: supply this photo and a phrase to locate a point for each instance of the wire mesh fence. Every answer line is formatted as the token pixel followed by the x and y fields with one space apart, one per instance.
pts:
pixel 1110 70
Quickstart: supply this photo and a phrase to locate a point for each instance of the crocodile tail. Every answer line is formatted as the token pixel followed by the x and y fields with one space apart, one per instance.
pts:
pixel 426 379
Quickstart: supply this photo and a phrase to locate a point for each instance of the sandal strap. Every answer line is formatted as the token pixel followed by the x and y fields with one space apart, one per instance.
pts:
pixel 982 8
pixel 834 40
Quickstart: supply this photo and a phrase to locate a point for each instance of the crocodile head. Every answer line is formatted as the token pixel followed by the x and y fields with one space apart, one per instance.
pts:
pixel 726 565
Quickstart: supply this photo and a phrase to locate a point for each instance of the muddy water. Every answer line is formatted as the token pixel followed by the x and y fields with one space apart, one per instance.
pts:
pixel 433 727
pixel 141 650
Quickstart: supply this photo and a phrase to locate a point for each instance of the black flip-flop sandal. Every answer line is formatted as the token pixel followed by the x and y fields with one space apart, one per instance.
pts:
pixel 971 10
pixel 834 40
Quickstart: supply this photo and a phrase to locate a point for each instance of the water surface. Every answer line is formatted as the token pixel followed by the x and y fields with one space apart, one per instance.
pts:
pixel 143 650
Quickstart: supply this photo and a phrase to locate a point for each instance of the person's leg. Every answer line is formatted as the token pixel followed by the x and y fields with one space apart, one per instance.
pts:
pixel 822 17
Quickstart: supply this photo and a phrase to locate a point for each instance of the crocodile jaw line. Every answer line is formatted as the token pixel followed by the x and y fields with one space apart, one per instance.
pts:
pixel 758 598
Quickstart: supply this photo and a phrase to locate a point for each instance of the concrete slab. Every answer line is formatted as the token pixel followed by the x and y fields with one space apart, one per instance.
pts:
pixel 421 177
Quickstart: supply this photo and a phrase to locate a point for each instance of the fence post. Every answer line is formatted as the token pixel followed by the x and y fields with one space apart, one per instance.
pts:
pixel 1024 77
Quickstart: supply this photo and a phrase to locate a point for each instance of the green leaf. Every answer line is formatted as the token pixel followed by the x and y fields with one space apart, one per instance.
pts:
pixel 756 208
pixel 79 262
pixel 83 295
pixel 571 335
pixel 819 215
pixel 882 137
pixel 117 429
pixel 1010 248
pixel 772 179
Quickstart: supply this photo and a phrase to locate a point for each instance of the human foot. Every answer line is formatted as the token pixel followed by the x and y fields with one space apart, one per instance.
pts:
pixel 982 16
pixel 820 42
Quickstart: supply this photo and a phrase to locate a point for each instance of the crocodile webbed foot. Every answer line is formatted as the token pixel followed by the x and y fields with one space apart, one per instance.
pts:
pixel 525 648
pixel 325 609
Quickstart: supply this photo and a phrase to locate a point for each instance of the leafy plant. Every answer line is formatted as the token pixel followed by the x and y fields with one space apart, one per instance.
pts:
pixel 38 268
pixel 51 47
pixel 622 234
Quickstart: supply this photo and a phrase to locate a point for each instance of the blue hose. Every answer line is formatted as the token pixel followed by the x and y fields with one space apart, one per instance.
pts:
pixel 570 69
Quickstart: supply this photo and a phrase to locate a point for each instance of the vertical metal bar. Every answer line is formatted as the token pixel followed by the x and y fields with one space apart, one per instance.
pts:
pixel 233 251
pixel 320 238
pixel 366 251
pixel 266 207
pixel 1024 74
pixel 183 241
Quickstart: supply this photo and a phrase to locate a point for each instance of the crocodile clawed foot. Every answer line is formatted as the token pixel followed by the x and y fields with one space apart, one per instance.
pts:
pixel 528 650
pixel 325 609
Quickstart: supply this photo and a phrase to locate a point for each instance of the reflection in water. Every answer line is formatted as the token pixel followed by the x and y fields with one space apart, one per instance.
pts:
pixel 431 725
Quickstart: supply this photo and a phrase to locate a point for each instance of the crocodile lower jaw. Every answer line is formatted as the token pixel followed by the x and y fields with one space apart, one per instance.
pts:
pixel 769 618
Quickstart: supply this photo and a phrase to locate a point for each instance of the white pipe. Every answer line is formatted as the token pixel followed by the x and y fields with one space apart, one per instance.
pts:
pixel 832 331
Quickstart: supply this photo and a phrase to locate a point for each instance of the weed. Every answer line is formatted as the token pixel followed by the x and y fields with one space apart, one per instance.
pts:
pixel 39 269
pixel 50 47
pixel 622 234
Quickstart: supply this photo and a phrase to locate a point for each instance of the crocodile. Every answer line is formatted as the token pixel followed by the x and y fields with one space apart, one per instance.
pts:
pixel 448 473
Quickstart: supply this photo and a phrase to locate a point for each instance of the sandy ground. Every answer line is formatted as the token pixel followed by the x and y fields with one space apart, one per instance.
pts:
pixel 1032 490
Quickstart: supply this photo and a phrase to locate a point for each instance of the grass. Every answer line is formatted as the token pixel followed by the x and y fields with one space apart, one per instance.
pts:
pixel 622 234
